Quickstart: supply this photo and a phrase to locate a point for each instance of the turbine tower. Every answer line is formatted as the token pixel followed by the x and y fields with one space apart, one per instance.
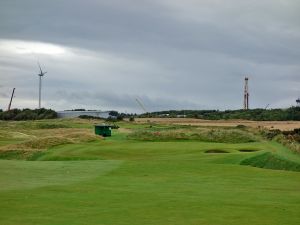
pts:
pixel 41 74
pixel 246 94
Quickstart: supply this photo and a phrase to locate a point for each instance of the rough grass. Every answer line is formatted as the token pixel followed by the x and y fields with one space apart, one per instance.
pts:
pixel 48 139
pixel 289 142
pixel 203 134
pixel 50 126
pixel 28 139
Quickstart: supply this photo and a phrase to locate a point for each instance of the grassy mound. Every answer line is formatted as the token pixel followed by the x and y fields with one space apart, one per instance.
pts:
pixel 271 161
pixel 21 155
pixel 50 141
pixel 29 147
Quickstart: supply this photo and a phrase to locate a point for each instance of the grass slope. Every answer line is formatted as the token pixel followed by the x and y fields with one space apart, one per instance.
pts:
pixel 270 161
pixel 18 175
pixel 144 182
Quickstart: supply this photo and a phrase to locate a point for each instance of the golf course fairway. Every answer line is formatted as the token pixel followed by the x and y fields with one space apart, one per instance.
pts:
pixel 125 181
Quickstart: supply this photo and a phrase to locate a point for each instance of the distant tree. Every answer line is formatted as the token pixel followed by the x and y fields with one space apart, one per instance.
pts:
pixel 113 113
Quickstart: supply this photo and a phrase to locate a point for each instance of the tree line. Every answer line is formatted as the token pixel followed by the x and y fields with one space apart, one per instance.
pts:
pixel 292 113
pixel 28 114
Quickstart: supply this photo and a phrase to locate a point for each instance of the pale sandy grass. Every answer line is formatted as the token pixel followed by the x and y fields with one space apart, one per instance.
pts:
pixel 281 125
pixel 46 138
pixel 125 130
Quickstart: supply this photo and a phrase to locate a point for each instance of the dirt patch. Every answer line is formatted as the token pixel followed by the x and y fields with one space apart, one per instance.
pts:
pixel 216 151
pixel 248 150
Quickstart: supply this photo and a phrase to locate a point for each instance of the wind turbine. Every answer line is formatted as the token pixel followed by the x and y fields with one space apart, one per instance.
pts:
pixel 41 74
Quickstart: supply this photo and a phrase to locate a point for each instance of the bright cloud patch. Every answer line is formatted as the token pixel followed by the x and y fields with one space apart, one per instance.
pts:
pixel 27 47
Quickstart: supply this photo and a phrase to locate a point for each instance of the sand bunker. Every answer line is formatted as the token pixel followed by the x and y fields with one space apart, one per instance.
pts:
pixel 216 151
pixel 248 150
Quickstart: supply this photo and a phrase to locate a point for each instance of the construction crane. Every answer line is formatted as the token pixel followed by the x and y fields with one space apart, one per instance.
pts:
pixel 141 105
pixel 267 106
pixel 145 110
pixel 12 96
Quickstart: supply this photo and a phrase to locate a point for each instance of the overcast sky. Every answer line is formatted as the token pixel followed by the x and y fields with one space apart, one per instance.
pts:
pixel 172 54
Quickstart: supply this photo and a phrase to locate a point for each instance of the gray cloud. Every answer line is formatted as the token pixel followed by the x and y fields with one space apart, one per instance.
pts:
pixel 174 54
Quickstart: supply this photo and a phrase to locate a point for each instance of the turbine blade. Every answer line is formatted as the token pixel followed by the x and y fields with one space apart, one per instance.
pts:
pixel 40 67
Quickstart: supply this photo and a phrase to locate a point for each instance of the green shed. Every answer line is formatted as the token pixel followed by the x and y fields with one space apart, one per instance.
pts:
pixel 103 130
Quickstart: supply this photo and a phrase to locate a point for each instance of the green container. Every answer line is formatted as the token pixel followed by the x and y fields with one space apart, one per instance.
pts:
pixel 103 130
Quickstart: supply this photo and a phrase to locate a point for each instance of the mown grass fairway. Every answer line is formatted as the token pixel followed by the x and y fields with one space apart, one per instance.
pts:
pixel 120 181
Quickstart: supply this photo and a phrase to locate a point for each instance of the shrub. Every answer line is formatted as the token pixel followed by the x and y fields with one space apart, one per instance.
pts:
pixel 270 134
